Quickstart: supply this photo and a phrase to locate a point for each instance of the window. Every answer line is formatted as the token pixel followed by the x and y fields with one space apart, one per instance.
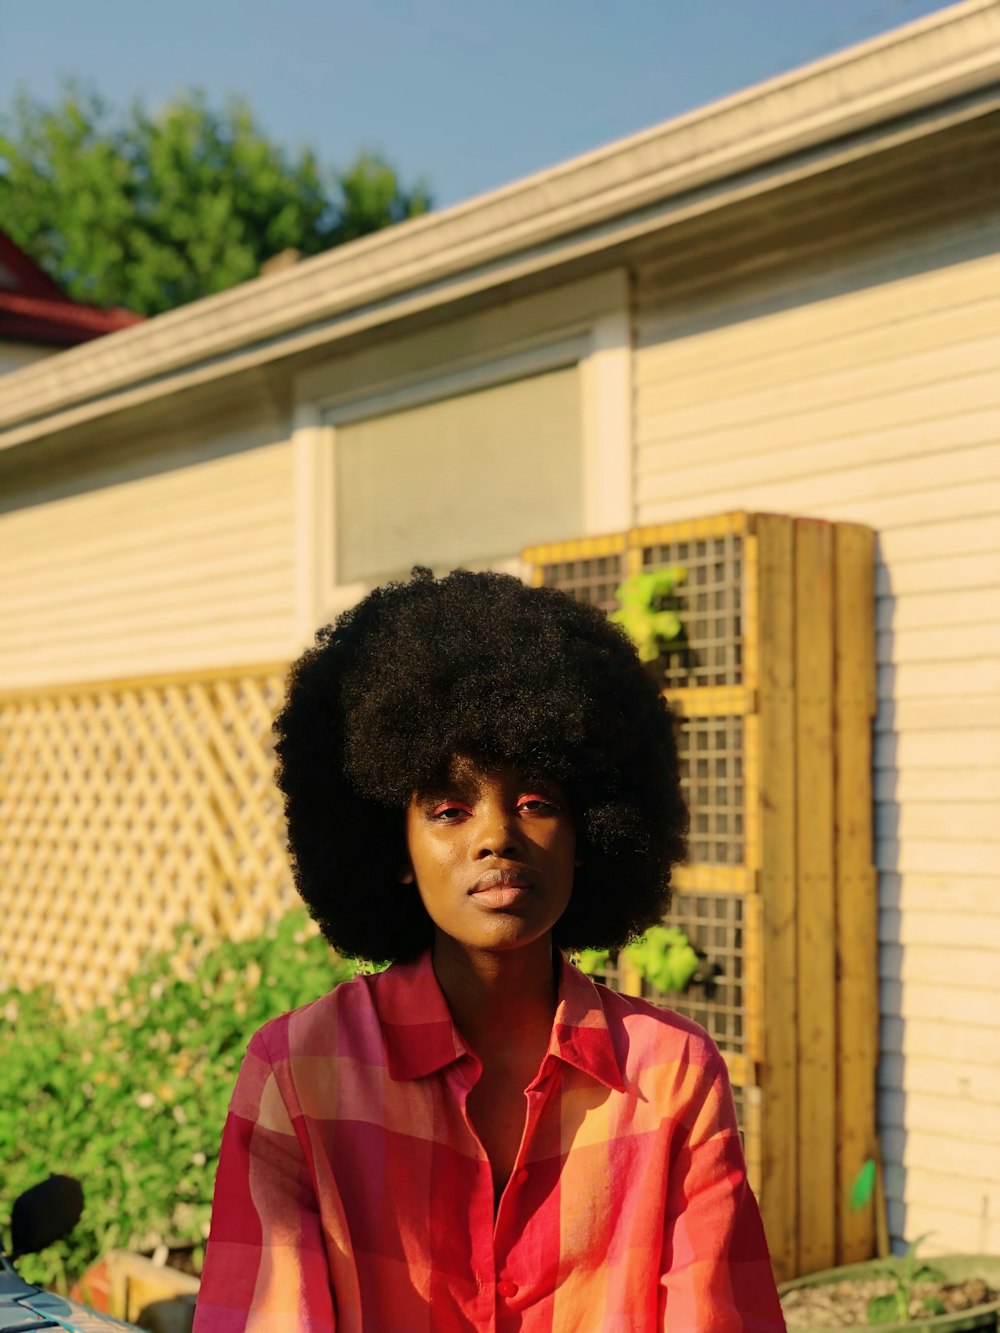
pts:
pixel 464 480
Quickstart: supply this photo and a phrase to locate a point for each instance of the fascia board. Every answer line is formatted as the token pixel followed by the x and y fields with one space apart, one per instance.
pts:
pixel 486 241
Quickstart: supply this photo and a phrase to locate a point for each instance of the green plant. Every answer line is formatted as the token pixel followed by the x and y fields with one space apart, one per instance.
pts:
pixel 131 1098
pixel 663 956
pixel 894 1307
pixel 646 613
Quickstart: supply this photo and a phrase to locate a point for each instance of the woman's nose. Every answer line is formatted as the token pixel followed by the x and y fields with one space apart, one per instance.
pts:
pixel 498 835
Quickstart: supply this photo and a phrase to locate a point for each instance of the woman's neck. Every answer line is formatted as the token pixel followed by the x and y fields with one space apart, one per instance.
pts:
pixel 499 999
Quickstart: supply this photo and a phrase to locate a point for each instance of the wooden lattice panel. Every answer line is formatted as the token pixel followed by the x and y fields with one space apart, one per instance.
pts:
pixel 129 809
pixel 771 683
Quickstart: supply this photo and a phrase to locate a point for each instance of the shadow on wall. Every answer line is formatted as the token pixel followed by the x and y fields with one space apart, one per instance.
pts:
pixel 893 1045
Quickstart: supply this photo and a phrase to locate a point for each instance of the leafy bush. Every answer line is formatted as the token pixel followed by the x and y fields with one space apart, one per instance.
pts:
pixel 131 1098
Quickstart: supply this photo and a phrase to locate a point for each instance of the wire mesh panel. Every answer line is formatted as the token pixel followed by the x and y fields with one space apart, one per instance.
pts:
pixel 593 580
pixel 710 602
pixel 713 922
pixel 710 751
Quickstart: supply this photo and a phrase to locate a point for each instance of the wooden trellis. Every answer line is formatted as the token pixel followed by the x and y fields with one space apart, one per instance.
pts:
pixel 773 684
pixel 127 809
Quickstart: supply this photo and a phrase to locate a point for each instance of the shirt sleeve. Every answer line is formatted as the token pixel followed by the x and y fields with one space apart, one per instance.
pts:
pixel 716 1272
pixel 266 1269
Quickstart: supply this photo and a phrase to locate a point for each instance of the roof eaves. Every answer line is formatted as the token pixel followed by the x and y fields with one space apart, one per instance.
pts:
pixel 933 61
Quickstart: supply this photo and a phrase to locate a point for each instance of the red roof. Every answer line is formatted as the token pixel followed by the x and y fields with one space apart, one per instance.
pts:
pixel 33 309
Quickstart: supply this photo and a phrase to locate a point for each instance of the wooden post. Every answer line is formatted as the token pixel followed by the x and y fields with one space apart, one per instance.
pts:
pixel 779 1121
pixel 856 890
pixel 816 974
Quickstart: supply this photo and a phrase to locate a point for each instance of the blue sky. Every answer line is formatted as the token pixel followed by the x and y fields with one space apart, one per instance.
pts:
pixel 468 94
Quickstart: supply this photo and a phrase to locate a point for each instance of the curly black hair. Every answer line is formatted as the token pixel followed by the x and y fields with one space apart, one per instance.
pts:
pixel 481 666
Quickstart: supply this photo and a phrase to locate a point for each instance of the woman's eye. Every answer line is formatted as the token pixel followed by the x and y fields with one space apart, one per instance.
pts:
pixel 535 804
pixel 446 812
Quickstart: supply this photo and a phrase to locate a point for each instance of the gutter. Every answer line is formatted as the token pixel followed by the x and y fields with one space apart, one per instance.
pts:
pixel 630 188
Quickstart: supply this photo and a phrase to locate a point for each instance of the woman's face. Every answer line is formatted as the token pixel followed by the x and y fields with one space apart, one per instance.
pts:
pixel 492 854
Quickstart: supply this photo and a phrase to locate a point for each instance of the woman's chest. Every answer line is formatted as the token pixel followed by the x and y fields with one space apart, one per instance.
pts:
pixel 498 1111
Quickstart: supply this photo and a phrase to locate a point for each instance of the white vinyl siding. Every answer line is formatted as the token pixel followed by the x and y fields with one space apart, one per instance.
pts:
pixel 464 480
pixel 866 387
pixel 188 567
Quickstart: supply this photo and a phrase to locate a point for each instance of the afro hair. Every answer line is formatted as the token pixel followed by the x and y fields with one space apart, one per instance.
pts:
pixel 481 666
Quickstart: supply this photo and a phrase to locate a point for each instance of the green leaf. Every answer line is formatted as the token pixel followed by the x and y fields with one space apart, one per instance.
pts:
pixel 927 1273
pixel 883 1309
pixel 664 957
pixel 593 961
pixel 642 614
pixel 933 1306
pixel 863 1185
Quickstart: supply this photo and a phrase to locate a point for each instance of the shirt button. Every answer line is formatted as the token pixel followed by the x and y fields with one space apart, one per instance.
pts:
pixel 506 1288
pixel 521 1176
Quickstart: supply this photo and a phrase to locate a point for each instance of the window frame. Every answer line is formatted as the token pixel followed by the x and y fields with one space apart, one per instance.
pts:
pixel 596 340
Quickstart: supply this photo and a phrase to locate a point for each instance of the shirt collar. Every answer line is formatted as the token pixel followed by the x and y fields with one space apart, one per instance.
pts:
pixel 421 1038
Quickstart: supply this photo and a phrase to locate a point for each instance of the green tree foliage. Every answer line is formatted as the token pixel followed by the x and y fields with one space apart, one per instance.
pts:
pixel 150 211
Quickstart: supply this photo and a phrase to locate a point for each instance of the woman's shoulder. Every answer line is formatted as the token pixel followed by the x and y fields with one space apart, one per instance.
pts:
pixel 656 1033
pixel 318 1027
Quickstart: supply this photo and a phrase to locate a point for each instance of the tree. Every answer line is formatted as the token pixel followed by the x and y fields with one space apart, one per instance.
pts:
pixel 150 211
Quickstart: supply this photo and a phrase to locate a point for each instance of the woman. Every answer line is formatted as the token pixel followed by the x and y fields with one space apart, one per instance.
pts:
pixel 477 776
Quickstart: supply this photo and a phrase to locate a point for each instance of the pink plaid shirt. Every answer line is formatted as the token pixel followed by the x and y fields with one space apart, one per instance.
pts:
pixel 353 1194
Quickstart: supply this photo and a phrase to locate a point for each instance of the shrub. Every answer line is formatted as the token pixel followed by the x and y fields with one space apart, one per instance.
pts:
pixel 131 1098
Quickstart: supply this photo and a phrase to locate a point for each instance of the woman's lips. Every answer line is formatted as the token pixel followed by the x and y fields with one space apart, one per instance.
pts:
pixel 501 888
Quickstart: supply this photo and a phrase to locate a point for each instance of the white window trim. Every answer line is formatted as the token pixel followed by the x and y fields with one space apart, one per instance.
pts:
pixel 600 346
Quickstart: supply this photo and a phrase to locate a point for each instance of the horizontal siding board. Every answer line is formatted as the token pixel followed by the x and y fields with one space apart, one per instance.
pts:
pixel 942 572
pixel 934 680
pixel 941 930
pixel 940 714
pixel 184 568
pixel 921 1150
pixel 928 858
pixel 953 643
pixel 913 387
pixel 933 1039
pixel 931 610
pixel 844 291
pixel 884 459
pixel 933 1114
pixel 954 534
pixel 969 1195
pixel 952 781
pixel 969 895
pixel 924 749
pixel 756 367
pixel 99 527
pixel 941 965
pixel 813 496
pixel 947 1230
pixel 147 573
pixel 939 821
pixel 977 1081
pixel 960 1005
pixel 250 600
pixel 970 1205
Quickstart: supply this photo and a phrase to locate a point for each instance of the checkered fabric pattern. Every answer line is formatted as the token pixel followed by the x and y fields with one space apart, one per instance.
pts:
pixel 353 1194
